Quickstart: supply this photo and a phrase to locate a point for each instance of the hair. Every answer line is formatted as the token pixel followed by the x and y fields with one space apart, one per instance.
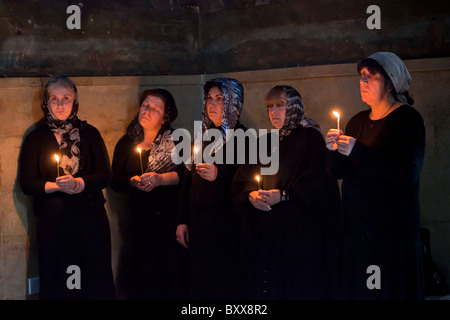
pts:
pixel 374 67
pixel 135 130
pixel 170 108
pixel 274 94
pixel 65 82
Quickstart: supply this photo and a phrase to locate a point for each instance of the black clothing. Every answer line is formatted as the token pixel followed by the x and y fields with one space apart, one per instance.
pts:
pixel 381 204
pixel 206 207
pixel 291 251
pixel 159 263
pixel 71 229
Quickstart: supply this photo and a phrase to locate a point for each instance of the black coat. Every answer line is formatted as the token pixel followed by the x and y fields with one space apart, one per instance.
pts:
pixel 291 251
pixel 214 226
pixel 71 229
pixel 380 190
pixel 159 266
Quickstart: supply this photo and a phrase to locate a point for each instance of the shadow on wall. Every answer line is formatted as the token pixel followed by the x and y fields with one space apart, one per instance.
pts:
pixel 25 211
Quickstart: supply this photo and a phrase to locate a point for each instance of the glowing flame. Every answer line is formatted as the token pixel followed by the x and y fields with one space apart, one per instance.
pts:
pixel 195 149
pixel 257 178
pixel 57 158
pixel 139 150
pixel 336 114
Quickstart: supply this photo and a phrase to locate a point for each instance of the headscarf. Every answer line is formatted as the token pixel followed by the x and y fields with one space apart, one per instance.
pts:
pixel 396 70
pixel 233 99
pixel 69 129
pixel 159 159
pixel 294 112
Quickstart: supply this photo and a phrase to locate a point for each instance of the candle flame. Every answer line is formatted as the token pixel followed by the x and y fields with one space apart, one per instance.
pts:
pixel 139 150
pixel 195 149
pixel 57 158
pixel 257 178
pixel 336 114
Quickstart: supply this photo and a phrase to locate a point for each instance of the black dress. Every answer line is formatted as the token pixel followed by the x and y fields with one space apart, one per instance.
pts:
pixel 71 229
pixel 381 205
pixel 291 251
pixel 159 266
pixel 206 207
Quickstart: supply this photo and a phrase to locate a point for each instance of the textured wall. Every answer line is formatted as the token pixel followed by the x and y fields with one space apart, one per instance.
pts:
pixel 109 103
pixel 161 37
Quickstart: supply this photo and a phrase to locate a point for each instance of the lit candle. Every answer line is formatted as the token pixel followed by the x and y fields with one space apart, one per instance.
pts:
pixel 140 160
pixel 259 182
pixel 336 114
pixel 196 160
pixel 57 164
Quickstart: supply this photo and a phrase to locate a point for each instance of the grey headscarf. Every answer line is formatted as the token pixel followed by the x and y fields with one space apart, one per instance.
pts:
pixel 397 72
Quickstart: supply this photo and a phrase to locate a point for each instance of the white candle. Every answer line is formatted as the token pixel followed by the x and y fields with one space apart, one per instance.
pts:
pixel 336 114
pixel 140 160
pixel 259 182
pixel 57 164
pixel 196 159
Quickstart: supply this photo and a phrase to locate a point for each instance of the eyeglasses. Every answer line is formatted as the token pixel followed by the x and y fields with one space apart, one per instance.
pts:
pixel 64 101
pixel 279 106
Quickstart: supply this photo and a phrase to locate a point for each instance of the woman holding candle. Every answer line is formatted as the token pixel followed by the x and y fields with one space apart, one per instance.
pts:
pixel 290 234
pixel 379 158
pixel 72 225
pixel 208 225
pixel 143 167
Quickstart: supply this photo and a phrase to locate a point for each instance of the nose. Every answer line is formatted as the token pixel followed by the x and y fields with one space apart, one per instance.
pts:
pixel 363 80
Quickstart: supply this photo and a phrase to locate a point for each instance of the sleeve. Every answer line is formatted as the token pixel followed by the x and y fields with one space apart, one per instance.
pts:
pixel 100 177
pixel 31 180
pixel 242 185
pixel 120 178
pixel 403 163
pixel 183 213
pixel 313 181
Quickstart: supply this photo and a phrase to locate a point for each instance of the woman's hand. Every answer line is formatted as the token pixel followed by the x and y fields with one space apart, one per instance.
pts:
pixel 207 171
pixel 345 144
pixel 182 234
pixel 259 200
pixel 272 196
pixel 146 182
pixel 332 138
pixel 69 184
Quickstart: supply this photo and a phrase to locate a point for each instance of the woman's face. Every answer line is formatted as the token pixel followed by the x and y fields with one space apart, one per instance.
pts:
pixel 371 87
pixel 151 113
pixel 214 105
pixel 277 111
pixel 60 101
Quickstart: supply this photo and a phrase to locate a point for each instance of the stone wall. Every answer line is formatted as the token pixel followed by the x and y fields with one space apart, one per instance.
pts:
pixel 109 103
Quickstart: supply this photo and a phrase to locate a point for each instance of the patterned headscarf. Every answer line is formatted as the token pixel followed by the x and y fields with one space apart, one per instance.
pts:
pixel 233 99
pixel 69 129
pixel 159 159
pixel 294 110
pixel 396 71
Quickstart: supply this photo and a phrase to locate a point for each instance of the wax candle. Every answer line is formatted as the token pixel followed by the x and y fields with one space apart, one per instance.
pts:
pixel 140 160
pixel 259 182
pixel 336 114
pixel 57 164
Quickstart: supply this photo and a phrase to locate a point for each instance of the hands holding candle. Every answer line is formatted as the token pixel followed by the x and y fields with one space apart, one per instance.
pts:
pixel 336 140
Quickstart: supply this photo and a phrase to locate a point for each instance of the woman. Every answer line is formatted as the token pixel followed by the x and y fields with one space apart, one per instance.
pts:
pixel 290 234
pixel 73 233
pixel 379 159
pixel 208 225
pixel 159 263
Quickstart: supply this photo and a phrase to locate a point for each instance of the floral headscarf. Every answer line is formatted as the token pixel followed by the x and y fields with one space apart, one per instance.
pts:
pixel 69 129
